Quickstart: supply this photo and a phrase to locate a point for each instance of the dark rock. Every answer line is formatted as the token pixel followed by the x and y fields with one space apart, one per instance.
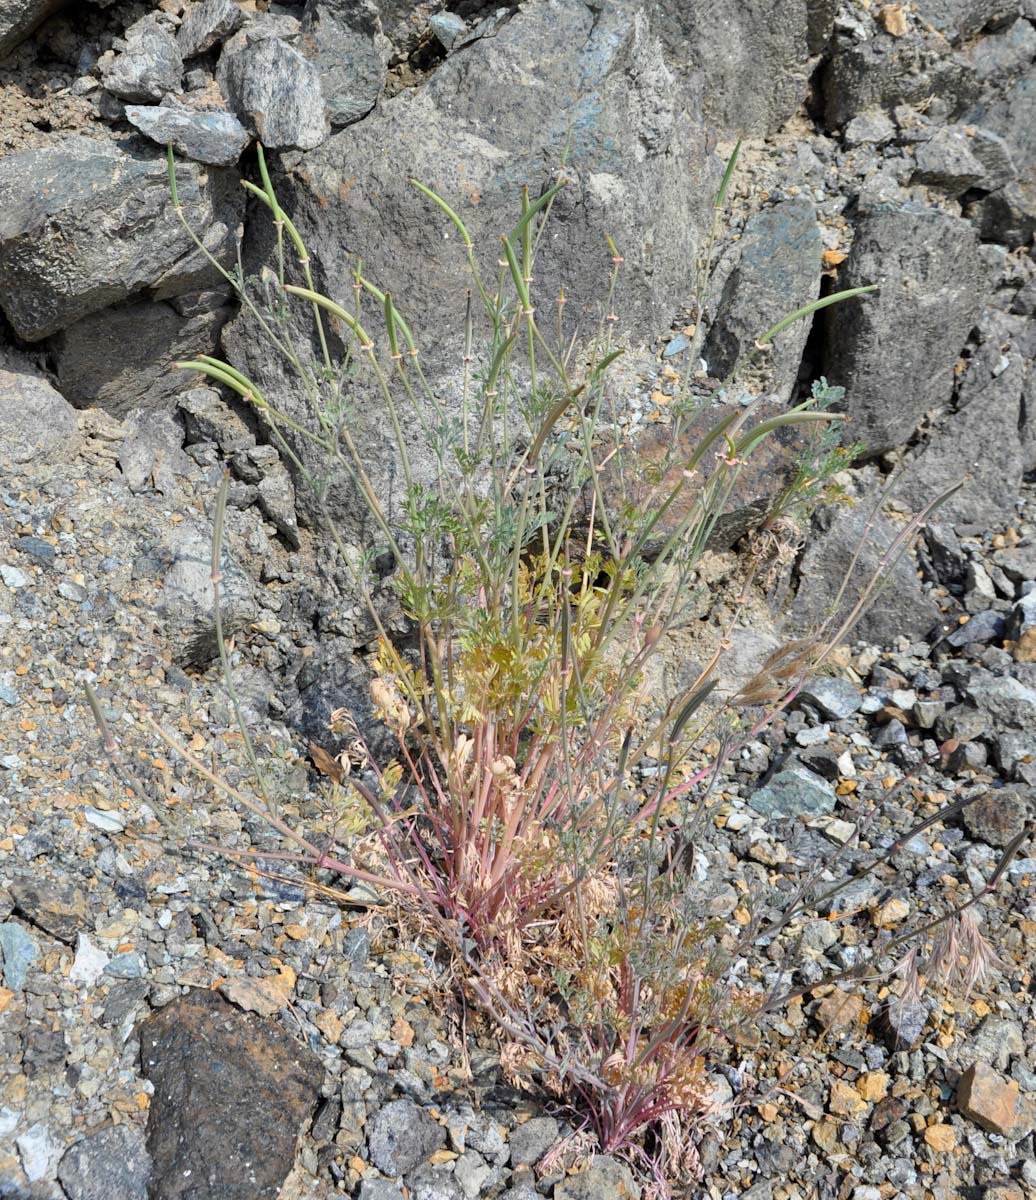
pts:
pixel 330 679
pixel 1007 215
pixel 960 20
pixel 1022 617
pixel 277 503
pixel 604 1179
pixel 1000 814
pixel 37 424
pixel 208 418
pixel 351 52
pixel 1004 699
pixel 58 908
pixel 207 23
pixel 18 18
pixel 379 1189
pixel 276 93
pixel 900 1023
pixel 900 607
pixel 983 627
pixel 995 156
pixel 84 224
pixel 208 137
pixel 778 271
pixel 871 128
pixel 893 733
pixel 896 366
pixel 37 549
pixel 112 1164
pixel 1005 54
pixel 123 1000
pixel 1010 111
pixel 944 552
pixel 149 68
pixel 947 161
pixel 792 793
pixel 448 28
pixel 734 43
pixel 120 358
pixel 401 1136
pixel 200 1053
pixel 836 698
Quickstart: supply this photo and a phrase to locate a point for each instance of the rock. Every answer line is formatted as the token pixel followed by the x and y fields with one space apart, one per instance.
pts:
pixel 209 418
pixel 995 156
pixel 836 698
pixel 149 68
pixel 996 1041
pixel 944 552
pixel 792 793
pixel 1015 755
pixel 448 29
pixel 999 815
pixel 58 908
pixel 1005 54
pixel 84 224
pixel 733 43
pixel 186 595
pixel 265 996
pixel 1004 699
pixel 89 963
pixel 208 137
pixel 150 456
pixel 19 951
pixel 778 271
pixel 871 128
pixel 120 359
pixel 529 1142
pixel 351 53
pixel 1007 215
pixel 962 19
pixel 18 18
pixel 276 93
pixel 1018 564
pixel 994 1103
pixel 1010 111
pixel 37 424
pixel 947 162
pixel 379 1189
pixel 402 1135
pixel 893 368
pixel 901 607
pixel 112 1164
pixel 351 197
pixel 604 1179
pixel 1021 617
pixel 987 626
pixel 277 503
pixel 900 1023
pixel 197 1052
pixel 430 1182
pixel 207 23
pixel 39 1150
pixel 893 733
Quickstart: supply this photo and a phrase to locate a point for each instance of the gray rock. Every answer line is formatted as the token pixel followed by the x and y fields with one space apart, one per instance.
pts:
pixel 1015 755
pixel 479 141
pixel 18 18
pixel 1010 111
pixel 150 456
pixel 37 424
pixel 995 156
pixel 1004 699
pixel 1019 564
pixel 962 19
pixel 208 137
pixel 149 68
pixel 987 626
pixel 277 503
pixel 894 350
pixel 197 1052
pixel 19 951
pixel 944 551
pixel 734 43
pixel 1005 54
pixel 208 418
pixel 998 816
pixel 1021 617
pixel 604 1179
pixel 836 698
pixel 448 29
pixel 947 161
pixel 112 1164
pixel 1007 215
pixel 351 53
pixel 123 1001
pixel 792 793
pixel 872 128
pixel 778 271
pixel 379 1189
pixel 402 1135
pixel 185 599
pixel 529 1142
pixel 891 734
pixel 434 1183
pixel 121 358
pixel 40 1150
pixel 57 907
pixel 84 224
pixel 996 1041
pixel 276 93
pixel 207 23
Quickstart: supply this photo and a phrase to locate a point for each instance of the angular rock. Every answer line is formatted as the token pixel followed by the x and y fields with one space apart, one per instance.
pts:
pixel 529 1142
pixel 448 28
pixel 947 161
pixel 200 1053
pixel 208 137
pixel 871 128
pixel 19 951
pixel 604 1178
pixel 1007 215
pixel 276 93
pixel 836 698
pixel 1005 53
pixel 112 1164
pixel 778 271
pixel 962 19
pixel 150 456
pixel 479 142
pixel 734 43
pixel 40 1150
pixel 120 358
pixel 89 963
pixel 37 424
pixel 983 627
pixel 1010 111
pixel 894 350
pixel 85 224
pixel 345 40
pixel 995 156
pixel 210 419
pixel 995 1103
pixel 792 793
pixel 58 908
pixel 18 18
pixel 1004 699
pixel 185 599
pixel 999 815
pixel 207 23
pixel 149 68
pixel 401 1136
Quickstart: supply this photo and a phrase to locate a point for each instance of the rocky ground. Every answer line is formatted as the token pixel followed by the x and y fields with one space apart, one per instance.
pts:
pixel 176 1025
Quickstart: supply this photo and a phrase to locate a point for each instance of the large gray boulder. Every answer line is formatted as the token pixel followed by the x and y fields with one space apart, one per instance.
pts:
pixel 735 44
pixel 345 39
pixel 18 18
pixel 275 93
pixel 558 80
pixel 86 224
pixel 894 350
pixel 37 424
